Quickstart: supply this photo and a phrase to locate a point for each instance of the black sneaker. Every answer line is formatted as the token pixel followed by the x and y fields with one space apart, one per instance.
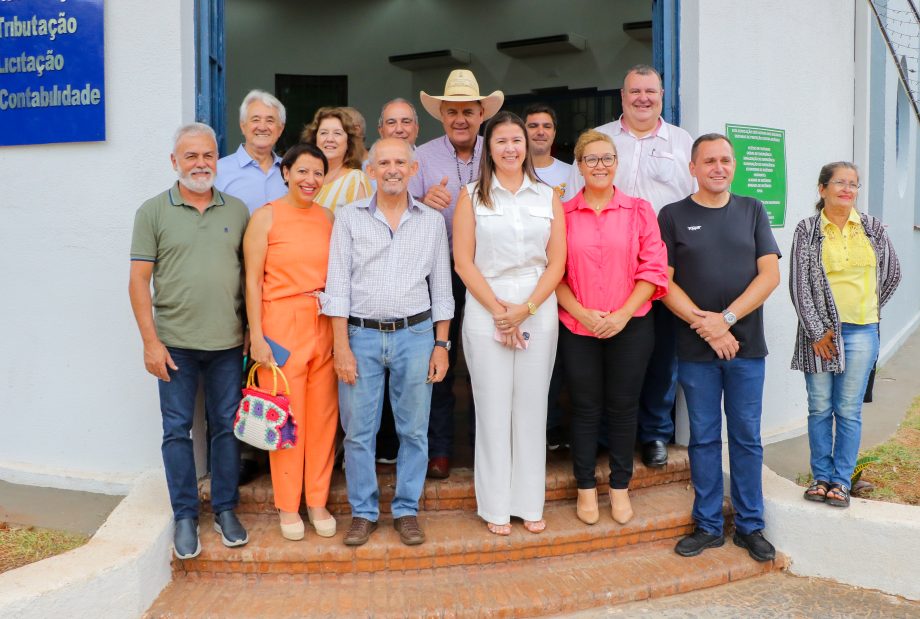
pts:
pixel 697 542
pixel 756 545
pixel 230 528
pixel 186 544
pixel 555 439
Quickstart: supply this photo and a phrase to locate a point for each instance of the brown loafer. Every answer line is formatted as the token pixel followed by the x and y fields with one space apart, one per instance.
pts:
pixel 359 531
pixel 439 468
pixel 409 531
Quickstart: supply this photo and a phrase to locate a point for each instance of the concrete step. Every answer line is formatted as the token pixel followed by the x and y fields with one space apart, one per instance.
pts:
pixel 458 492
pixel 531 587
pixel 457 537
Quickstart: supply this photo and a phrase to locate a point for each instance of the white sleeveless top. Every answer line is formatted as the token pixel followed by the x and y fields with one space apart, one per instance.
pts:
pixel 511 236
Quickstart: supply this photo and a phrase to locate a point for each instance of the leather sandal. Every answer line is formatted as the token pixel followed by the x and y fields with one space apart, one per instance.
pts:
pixel 499 529
pixel 838 495
pixel 817 491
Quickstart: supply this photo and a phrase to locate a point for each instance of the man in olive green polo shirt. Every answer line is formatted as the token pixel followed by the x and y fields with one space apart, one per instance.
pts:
pixel 188 239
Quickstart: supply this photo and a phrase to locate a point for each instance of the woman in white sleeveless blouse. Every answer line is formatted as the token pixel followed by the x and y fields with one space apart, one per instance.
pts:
pixel 509 249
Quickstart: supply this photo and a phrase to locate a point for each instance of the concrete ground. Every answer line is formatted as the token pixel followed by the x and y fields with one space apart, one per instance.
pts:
pixel 897 383
pixel 768 597
pixel 50 508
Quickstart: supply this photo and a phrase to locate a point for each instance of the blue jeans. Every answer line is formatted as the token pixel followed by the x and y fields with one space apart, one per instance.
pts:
pixel 221 371
pixel 405 353
pixel 740 382
pixel 838 399
pixel 659 388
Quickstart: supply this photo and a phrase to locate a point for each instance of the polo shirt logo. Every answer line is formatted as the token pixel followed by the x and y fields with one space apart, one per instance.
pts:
pixel 694 227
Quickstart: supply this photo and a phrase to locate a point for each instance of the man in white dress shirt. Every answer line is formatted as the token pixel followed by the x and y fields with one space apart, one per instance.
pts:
pixel 653 164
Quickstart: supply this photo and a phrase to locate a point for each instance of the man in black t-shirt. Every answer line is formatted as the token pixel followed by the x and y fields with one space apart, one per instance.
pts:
pixel 724 263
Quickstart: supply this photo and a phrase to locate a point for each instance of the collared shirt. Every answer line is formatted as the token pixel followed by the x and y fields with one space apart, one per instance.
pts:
pixel 240 176
pixel 380 274
pixel 654 168
pixel 512 235
pixel 850 263
pixel 438 159
pixel 197 271
pixel 607 253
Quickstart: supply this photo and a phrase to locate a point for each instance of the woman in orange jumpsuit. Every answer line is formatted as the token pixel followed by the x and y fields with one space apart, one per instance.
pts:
pixel 286 251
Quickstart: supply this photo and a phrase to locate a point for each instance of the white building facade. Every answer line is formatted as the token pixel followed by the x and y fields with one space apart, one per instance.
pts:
pixel 85 414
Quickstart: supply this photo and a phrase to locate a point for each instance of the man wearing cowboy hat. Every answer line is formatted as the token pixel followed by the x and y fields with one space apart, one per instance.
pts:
pixel 446 165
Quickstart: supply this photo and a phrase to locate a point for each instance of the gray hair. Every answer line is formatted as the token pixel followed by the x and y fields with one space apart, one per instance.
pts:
pixel 644 69
pixel 391 102
pixel 372 153
pixel 263 97
pixel 193 129
pixel 357 118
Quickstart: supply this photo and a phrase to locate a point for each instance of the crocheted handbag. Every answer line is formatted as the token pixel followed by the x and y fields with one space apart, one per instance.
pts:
pixel 264 418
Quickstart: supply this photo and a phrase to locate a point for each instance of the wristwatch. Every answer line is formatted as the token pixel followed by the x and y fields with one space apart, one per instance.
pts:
pixel 445 344
pixel 729 317
pixel 532 308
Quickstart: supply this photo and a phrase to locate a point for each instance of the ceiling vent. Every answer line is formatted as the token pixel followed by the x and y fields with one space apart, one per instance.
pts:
pixel 544 46
pixel 431 60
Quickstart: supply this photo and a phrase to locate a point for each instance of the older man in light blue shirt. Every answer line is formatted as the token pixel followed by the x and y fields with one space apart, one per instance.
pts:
pixel 388 292
pixel 253 172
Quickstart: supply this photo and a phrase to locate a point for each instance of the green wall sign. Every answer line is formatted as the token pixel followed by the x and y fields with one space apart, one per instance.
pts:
pixel 761 167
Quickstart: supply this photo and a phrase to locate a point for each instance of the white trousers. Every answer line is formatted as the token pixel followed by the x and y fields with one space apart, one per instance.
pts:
pixel 510 391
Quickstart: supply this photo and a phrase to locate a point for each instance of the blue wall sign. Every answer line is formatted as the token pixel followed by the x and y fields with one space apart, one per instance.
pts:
pixel 52 71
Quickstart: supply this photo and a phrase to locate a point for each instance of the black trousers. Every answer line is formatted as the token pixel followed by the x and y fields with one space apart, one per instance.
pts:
pixel 605 380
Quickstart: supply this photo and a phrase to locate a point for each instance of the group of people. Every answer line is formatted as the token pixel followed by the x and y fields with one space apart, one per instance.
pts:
pixel 625 274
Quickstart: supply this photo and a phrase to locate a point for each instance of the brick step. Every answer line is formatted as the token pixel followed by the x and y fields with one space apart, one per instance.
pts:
pixel 454 538
pixel 458 492
pixel 534 587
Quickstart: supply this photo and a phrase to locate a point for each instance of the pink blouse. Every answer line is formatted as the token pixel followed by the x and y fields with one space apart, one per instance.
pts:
pixel 606 254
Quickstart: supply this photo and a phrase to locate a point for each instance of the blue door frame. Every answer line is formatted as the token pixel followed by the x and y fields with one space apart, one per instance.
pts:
pixel 666 54
pixel 210 75
pixel 209 68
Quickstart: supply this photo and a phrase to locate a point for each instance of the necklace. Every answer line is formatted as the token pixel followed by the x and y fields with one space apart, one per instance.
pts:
pixel 469 167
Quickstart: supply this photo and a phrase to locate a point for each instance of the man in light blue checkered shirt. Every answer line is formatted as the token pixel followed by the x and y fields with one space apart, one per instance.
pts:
pixel 388 291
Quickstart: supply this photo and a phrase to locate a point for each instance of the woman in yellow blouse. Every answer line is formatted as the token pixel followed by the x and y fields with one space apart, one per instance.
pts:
pixel 843 270
pixel 334 133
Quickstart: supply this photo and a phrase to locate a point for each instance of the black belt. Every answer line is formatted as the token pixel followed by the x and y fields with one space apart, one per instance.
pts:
pixel 389 325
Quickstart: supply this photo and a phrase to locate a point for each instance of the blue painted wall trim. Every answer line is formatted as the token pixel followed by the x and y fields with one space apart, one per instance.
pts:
pixel 878 57
pixel 666 54
pixel 209 68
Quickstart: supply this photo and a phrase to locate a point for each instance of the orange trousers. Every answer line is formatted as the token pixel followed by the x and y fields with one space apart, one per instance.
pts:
pixel 296 324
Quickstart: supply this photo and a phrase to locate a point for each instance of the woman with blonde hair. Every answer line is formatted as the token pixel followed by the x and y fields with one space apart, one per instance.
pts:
pixel 616 265
pixel 334 133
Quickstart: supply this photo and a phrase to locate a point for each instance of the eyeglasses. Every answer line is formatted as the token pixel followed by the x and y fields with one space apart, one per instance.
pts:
pixel 592 160
pixel 845 184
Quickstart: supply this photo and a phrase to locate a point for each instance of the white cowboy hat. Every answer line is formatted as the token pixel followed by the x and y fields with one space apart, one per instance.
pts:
pixel 461 85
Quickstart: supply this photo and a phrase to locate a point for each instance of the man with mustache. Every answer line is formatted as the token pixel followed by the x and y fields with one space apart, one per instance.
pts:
pixel 188 240
pixel 388 293
pixel 446 165
pixel 653 159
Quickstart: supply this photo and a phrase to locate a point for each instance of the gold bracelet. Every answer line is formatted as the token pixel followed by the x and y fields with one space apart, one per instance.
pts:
pixel 532 308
